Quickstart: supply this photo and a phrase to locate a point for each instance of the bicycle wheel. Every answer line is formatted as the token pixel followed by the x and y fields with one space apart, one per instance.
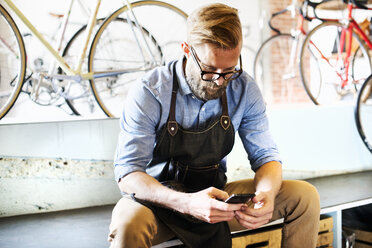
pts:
pixel 78 95
pixel 363 113
pixel 12 62
pixel 275 70
pixel 126 51
pixel 327 74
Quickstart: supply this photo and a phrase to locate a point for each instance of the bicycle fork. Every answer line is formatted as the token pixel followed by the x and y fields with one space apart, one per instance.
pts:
pixel 294 54
pixel 345 67
pixel 142 35
pixel 340 45
pixel 297 39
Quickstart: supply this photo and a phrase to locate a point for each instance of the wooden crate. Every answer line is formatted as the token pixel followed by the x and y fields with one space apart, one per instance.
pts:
pixel 263 239
pixel 363 239
pixel 272 238
pixel 325 237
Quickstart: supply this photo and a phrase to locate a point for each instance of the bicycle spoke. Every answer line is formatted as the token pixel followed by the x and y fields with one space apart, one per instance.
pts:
pixel 276 70
pixel 78 95
pixel 127 45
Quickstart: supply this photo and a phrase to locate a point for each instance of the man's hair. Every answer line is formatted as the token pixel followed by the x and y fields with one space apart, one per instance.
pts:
pixel 216 24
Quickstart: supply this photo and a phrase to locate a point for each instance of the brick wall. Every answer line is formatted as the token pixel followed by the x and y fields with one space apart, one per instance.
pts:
pixel 290 90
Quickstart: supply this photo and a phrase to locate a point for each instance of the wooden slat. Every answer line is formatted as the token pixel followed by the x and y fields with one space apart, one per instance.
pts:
pixel 325 239
pixel 326 224
pixel 359 234
pixel 362 245
pixel 274 238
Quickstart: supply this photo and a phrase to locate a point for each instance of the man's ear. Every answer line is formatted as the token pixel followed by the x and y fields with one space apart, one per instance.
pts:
pixel 186 48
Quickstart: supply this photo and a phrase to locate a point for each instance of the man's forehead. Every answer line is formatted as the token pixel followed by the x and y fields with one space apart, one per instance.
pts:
pixel 218 58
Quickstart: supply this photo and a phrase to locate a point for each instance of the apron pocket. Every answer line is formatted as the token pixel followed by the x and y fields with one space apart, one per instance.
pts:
pixel 196 178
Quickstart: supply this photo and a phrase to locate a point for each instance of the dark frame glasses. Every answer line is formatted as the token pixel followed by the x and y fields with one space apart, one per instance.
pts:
pixel 214 76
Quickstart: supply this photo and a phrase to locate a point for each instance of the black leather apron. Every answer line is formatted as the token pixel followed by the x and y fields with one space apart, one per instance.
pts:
pixel 189 161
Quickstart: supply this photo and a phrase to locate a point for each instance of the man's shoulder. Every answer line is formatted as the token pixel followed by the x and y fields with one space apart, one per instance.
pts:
pixel 244 84
pixel 159 79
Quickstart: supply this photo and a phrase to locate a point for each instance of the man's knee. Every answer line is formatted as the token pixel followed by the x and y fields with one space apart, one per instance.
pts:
pixel 308 193
pixel 143 221
pixel 132 224
pixel 302 194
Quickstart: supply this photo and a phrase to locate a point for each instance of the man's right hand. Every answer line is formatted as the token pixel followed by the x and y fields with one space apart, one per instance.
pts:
pixel 208 205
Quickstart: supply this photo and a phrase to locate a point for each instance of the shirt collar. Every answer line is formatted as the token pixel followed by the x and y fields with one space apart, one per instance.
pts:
pixel 184 87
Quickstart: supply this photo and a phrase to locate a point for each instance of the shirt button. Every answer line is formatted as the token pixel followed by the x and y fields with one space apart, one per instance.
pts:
pixel 203 109
pixel 193 97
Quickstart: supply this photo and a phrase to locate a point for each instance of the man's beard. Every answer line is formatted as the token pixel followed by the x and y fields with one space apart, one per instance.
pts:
pixel 200 88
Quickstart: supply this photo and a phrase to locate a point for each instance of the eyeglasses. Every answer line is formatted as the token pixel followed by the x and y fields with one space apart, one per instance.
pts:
pixel 214 76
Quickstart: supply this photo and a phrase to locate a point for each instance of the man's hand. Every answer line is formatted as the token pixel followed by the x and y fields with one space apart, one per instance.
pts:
pixel 208 205
pixel 268 180
pixel 258 213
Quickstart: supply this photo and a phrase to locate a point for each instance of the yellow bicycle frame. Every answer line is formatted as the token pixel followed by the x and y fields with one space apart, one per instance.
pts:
pixel 76 74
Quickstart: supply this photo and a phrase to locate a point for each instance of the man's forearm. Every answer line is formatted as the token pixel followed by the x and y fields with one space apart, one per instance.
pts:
pixel 147 188
pixel 268 177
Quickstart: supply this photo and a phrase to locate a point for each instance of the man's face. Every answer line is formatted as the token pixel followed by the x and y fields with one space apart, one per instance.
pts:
pixel 211 59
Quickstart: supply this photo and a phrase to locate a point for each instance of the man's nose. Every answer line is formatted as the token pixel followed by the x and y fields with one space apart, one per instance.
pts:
pixel 219 81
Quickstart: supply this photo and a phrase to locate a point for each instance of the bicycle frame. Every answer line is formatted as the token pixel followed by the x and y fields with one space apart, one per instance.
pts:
pixel 296 33
pixel 355 25
pixel 138 25
pixel 76 74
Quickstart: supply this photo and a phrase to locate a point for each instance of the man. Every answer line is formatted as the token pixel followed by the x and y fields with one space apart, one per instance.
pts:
pixel 178 126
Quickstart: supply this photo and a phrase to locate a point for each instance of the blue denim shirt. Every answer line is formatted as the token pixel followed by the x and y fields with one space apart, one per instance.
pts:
pixel 147 107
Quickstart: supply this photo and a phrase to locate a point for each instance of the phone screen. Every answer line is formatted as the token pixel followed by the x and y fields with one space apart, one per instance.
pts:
pixel 240 198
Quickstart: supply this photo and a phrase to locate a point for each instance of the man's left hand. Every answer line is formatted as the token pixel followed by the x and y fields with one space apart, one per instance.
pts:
pixel 258 213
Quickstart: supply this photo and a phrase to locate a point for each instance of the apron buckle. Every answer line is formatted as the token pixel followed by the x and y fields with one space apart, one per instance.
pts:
pixel 225 121
pixel 172 127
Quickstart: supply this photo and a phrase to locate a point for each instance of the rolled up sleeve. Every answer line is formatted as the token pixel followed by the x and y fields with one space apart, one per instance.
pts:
pixel 254 131
pixel 137 132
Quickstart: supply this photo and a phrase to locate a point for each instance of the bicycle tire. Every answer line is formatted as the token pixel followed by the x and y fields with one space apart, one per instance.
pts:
pixel 12 67
pixel 363 113
pixel 275 72
pixel 85 104
pixel 111 91
pixel 322 65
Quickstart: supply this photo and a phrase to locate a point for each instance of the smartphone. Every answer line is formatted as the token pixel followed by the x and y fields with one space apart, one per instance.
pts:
pixel 240 198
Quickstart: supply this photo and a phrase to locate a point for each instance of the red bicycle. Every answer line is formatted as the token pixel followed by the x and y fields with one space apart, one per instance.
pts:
pixel 335 59
pixel 276 62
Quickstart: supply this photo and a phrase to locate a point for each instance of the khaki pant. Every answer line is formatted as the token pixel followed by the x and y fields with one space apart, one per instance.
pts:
pixel 135 226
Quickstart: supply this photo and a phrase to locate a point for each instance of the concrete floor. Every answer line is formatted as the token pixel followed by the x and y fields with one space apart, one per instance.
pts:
pixel 73 228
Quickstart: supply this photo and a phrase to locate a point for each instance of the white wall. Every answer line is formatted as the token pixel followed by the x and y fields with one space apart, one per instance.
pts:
pixel 311 139
pixel 314 141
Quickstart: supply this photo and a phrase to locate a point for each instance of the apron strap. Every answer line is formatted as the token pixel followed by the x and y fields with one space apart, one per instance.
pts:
pixel 225 119
pixel 172 125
